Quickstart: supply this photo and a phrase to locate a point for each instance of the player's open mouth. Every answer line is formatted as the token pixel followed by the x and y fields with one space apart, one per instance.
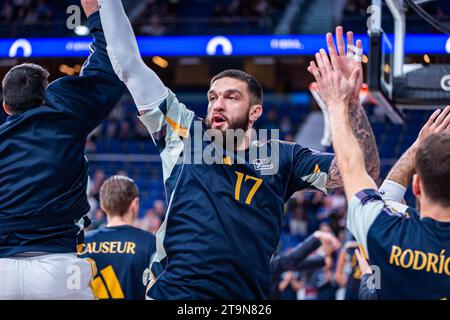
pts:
pixel 218 120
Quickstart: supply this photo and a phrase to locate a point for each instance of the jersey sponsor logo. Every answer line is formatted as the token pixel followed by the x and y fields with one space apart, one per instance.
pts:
pixel 419 260
pixel 263 164
pixel 107 285
pixel 108 247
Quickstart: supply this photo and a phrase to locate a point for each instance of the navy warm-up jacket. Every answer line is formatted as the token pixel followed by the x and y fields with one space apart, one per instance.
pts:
pixel 43 170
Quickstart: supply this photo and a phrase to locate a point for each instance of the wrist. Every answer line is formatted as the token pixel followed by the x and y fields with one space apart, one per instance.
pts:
pixel 338 108
pixel 94 22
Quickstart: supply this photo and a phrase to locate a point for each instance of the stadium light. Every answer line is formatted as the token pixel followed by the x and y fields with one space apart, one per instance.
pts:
pixel 160 62
pixel 81 31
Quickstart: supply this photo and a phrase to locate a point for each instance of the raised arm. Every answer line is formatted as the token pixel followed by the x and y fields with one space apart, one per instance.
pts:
pixel 337 92
pixel 294 260
pixel 398 179
pixel 348 61
pixel 92 95
pixel 147 89
pixel 166 119
pixel 363 132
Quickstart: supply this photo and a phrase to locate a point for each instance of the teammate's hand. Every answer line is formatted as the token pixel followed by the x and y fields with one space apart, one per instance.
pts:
pixel 439 122
pixel 349 60
pixel 89 6
pixel 335 89
pixel 362 262
pixel 329 242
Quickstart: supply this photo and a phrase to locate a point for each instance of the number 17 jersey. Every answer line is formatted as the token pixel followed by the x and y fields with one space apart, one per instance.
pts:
pixel 224 218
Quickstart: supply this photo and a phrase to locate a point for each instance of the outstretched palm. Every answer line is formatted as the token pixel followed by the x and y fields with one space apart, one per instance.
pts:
pixel 346 61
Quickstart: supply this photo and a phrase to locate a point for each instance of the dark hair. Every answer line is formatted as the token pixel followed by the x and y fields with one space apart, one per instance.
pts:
pixel 116 195
pixel 255 90
pixel 24 86
pixel 433 167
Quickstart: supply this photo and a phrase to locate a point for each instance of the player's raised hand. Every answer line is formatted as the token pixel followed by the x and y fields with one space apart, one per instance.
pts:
pixel 350 59
pixel 334 88
pixel 439 122
pixel 329 242
pixel 89 6
pixel 362 262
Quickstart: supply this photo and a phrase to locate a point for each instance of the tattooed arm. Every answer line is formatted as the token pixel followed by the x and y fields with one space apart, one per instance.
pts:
pixel 364 134
pixel 398 179
pixel 403 170
pixel 348 142
pixel 347 61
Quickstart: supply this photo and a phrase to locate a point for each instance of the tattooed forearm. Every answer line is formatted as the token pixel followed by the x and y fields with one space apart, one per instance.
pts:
pixel 403 170
pixel 364 134
pixel 334 179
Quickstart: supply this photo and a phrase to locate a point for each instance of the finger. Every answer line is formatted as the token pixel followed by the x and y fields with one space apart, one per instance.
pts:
pixel 446 120
pixel 333 57
pixel 315 72
pixel 340 40
pixel 350 44
pixel 358 51
pixel 432 118
pixel 320 64
pixel 354 78
pixel 441 117
pixel 359 256
pixel 326 61
pixel 330 42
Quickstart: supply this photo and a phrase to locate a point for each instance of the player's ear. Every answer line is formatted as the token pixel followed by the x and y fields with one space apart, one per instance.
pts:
pixel 416 188
pixel 135 206
pixel 256 111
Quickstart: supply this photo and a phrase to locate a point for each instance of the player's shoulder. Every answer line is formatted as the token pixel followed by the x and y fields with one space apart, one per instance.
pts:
pixel 93 234
pixel 139 234
pixel 122 233
pixel 395 220
pixel 276 144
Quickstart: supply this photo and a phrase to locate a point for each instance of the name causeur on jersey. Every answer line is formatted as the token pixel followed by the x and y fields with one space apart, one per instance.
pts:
pixel 109 247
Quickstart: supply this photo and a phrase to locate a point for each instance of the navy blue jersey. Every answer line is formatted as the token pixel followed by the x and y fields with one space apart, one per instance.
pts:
pixel 354 276
pixel 43 170
pixel 121 255
pixel 411 253
pixel 224 219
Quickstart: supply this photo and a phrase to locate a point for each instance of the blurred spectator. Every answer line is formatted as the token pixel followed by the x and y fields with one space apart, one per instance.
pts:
pixel 271 120
pixel 160 209
pixel 99 178
pixel 151 222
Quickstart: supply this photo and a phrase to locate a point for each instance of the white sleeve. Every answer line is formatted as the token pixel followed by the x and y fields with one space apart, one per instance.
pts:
pixel 392 191
pixel 147 89
pixel 362 211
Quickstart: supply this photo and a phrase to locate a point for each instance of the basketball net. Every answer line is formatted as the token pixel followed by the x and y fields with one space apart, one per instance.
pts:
pixel 327 139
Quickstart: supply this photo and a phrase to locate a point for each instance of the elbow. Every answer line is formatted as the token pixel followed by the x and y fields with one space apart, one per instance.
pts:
pixel 123 62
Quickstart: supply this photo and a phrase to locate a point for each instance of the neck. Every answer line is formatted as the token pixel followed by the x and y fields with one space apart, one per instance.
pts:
pixel 429 209
pixel 244 143
pixel 117 221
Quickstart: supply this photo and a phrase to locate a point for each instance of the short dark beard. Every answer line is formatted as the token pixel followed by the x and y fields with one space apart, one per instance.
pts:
pixel 240 123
